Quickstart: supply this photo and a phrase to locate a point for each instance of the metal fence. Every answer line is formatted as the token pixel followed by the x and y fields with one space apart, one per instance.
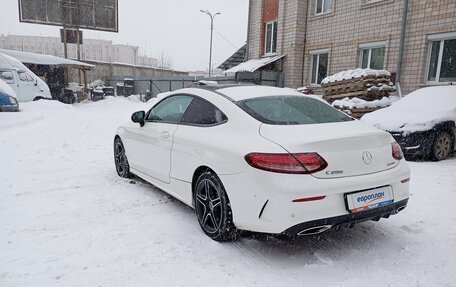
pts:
pixel 166 84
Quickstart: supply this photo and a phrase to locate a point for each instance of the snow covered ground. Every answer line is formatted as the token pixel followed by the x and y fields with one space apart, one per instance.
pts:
pixel 67 219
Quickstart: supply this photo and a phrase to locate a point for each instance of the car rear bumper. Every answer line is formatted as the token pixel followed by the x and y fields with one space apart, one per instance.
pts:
pixel 345 221
pixel 264 201
pixel 9 108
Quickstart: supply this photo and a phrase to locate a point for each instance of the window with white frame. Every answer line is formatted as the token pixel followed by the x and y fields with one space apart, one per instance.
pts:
pixel 270 38
pixel 370 1
pixel 323 6
pixel 319 66
pixel 442 59
pixel 373 55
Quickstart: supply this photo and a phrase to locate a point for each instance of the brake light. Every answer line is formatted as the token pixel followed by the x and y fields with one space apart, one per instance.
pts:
pixel 297 163
pixel 397 151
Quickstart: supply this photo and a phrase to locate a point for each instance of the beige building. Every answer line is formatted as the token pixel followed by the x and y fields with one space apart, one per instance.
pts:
pixel 323 37
pixel 91 50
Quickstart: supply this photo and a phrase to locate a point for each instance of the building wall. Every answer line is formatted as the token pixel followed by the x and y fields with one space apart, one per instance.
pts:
pixel 291 38
pixel 92 49
pixel 255 30
pixel 349 24
pixel 426 18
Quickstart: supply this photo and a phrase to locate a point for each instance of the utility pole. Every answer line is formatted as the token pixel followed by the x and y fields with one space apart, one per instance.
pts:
pixel 212 30
pixel 78 40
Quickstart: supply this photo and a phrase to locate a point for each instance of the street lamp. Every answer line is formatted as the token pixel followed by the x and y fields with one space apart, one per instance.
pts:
pixel 212 29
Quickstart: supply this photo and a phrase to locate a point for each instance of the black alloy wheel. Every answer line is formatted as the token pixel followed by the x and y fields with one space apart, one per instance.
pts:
pixel 120 159
pixel 443 146
pixel 213 208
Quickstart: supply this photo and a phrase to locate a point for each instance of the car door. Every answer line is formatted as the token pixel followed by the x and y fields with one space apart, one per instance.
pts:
pixel 195 143
pixel 150 146
pixel 27 88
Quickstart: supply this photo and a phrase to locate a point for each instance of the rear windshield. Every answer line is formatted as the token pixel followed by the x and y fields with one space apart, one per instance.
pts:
pixel 292 110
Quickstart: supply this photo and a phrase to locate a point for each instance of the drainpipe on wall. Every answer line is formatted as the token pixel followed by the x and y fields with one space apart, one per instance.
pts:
pixel 304 47
pixel 284 17
pixel 401 48
pixel 248 31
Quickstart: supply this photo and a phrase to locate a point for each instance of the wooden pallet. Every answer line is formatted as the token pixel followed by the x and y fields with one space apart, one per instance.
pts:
pixel 373 79
pixel 332 98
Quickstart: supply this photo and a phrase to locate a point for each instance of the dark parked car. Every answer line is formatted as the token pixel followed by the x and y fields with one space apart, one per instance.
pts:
pixel 423 122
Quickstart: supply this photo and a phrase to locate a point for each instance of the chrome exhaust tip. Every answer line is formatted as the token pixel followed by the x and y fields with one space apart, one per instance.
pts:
pixel 314 230
pixel 400 208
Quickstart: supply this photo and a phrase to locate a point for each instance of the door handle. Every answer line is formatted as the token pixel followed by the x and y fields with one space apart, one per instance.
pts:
pixel 165 134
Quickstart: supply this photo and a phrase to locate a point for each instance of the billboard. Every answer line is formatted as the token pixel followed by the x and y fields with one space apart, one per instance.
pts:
pixel 87 14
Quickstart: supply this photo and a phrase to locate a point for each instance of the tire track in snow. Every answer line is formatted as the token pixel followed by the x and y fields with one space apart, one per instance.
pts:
pixel 259 262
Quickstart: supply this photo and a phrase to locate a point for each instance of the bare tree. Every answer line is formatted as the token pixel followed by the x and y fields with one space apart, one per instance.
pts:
pixel 164 62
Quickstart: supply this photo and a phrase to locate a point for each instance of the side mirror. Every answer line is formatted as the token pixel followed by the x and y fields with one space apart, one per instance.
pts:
pixel 138 117
pixel 36 82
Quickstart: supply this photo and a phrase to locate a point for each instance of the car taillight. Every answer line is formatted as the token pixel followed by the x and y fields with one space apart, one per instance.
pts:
pixel 297 163
pixel 397 151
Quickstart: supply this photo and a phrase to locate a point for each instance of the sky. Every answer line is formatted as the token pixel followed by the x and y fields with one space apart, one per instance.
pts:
pixel 175 27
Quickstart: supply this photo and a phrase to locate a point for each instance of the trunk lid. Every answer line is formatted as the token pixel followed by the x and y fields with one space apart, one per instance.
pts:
pixel 350 148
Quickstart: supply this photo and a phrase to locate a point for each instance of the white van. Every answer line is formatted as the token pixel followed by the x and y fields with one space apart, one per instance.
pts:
pixel 27 86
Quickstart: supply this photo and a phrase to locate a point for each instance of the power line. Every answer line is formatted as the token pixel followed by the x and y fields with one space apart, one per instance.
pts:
pixel 228 41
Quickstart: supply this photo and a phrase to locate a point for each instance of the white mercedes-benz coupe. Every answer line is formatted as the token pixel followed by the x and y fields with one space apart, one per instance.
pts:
pixel 264 159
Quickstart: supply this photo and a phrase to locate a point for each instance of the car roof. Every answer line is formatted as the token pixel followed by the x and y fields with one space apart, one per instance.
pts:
pixel 244 92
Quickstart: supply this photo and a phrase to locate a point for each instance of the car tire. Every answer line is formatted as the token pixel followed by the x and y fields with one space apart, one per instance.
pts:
pixel 213 208
pixel 38 98
pixel 442 146
pixel 120 159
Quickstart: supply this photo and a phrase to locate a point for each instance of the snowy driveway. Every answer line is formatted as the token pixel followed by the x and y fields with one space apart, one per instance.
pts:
pixel 67 219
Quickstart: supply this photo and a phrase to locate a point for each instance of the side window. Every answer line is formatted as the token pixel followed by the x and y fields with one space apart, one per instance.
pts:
pixel 201 112
pixel 170 110
pixel 271 38
pixel 30 79
pixel 22 76
pixel 373 58
pixel 442 60
pixel 7 76
pixel 323 6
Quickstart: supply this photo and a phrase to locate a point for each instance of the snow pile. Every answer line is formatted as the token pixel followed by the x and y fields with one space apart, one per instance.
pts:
pixel 46 106
pixel 96 83
pixel 419 111
pixel 7 89
pixel 381 87
pixel 356 103
pixel 135 98
pixel 32 113
pixel 353 74
pixel 75 87
pixel 208 83
pixel 253 65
